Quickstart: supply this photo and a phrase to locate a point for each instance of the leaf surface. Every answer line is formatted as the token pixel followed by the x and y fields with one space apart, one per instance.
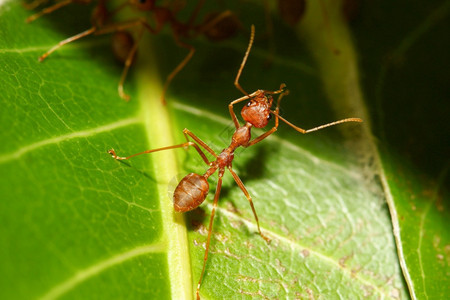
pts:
pixel 77 224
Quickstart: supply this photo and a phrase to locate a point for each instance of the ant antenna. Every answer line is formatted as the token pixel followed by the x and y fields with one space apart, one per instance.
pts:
pixel 301 130
pixel 250 43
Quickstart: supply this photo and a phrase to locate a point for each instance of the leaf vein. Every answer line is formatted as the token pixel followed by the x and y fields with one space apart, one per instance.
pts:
pixel 66 137
pixel 296 245
pixel 89 272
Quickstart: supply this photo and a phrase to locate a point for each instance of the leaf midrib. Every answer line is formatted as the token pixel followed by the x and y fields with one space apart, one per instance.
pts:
pixel 155 117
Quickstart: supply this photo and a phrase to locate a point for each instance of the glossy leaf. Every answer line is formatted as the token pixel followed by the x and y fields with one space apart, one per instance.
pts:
pixel 77 224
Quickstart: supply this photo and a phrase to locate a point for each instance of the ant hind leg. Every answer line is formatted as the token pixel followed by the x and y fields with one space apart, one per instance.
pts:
pixel 249 198
pixel 208 240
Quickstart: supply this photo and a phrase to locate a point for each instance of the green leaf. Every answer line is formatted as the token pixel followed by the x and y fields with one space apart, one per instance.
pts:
pixel 77 224
pixel 405 78
pixel 392 54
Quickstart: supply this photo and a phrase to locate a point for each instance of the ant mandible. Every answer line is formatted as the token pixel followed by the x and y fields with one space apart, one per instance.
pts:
pixel 193 188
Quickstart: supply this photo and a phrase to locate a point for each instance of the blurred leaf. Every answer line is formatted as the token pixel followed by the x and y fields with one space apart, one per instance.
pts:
pixel 395 44
pixel 404 54
pixel 76 223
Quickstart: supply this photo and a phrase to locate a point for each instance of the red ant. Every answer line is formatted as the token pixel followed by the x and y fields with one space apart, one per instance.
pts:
pixel 216 26
pixel 193 188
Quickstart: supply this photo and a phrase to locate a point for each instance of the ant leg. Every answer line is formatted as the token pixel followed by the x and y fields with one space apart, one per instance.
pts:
pixel 34 4
pixel 187 133
pixel 249 198
pixel 208 240
pixel 131 54
pixel 194 14
pixel 66 41
pixel 110 28
pixel 261 137
pixel 99 15
pixel 178 68
pixel 127 66
pixel 250 43
pixel 114 155
pixel 187 144
pixel 203 28
pixel 49 9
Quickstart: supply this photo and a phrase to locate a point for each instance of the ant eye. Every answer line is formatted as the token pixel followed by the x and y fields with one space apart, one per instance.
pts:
pixel 269 117
pixel 248 104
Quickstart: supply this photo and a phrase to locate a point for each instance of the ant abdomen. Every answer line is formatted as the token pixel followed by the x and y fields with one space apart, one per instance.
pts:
pixel 190 192
pixel 122 43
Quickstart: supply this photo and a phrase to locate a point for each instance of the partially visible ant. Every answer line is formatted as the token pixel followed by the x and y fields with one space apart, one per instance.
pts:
pixel 122 41
pixel 293 11
pixel 47 10
pixel 193 188
pixel 216 26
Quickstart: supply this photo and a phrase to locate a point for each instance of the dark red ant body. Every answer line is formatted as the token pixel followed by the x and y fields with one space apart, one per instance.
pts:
pixel 193 188
pixel 216 26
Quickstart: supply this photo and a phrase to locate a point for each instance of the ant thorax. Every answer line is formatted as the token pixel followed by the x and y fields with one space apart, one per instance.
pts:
pixel 241 136
pixel 257 110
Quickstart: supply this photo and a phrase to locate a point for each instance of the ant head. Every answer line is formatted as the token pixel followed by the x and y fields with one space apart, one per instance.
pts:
pixel 257 110
pixel 143 4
